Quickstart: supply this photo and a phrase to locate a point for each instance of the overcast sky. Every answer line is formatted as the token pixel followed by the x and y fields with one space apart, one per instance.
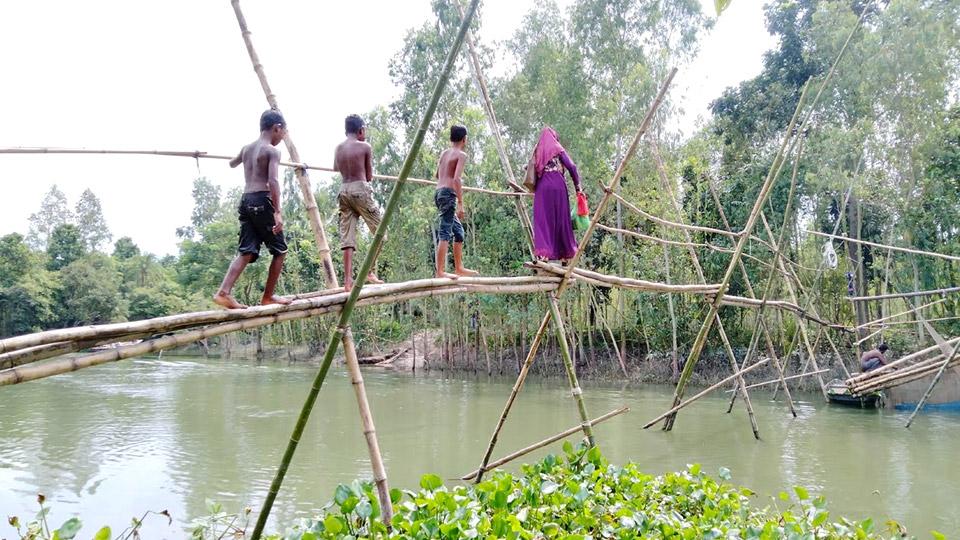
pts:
pixel 174 75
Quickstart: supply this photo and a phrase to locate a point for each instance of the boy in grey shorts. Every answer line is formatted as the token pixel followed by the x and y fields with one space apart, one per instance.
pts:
pixel 449 201
pixel 354 161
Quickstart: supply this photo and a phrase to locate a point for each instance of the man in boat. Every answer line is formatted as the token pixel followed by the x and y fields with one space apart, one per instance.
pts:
pixel 874 358
pixel 260 218
pixel 353 159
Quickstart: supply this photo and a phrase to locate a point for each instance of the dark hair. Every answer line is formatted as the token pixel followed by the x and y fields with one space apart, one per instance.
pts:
pixel 353 124
pixel 270 118
pixel 457 133
pixel 883 347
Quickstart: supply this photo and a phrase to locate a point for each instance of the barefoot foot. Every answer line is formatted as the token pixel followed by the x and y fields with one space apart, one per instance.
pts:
pixel 227 301
pixel 466 272
pixel 446 275
pixel 266 301
pixel 374 280
pixel 347 285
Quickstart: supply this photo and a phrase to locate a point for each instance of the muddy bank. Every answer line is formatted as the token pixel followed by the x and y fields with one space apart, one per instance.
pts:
pixel 426 352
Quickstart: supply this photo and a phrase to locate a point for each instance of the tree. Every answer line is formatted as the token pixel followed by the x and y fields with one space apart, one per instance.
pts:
pixel 88 217
pixel 207 207
pixel 64 247
pixel 90 292
pixel 16 260
pixel 124 248
pixel 29 305
pixel 53 212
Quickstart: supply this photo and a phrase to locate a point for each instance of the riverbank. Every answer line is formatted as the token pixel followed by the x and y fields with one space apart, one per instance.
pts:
pixel 427 352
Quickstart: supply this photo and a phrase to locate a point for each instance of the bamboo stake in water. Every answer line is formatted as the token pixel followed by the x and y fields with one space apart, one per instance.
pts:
pixel 520 453
pixel 731 357
pixel 683 404
pixel 341 328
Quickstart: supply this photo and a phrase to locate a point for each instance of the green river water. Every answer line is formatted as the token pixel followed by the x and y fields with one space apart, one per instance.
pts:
pixel 111 442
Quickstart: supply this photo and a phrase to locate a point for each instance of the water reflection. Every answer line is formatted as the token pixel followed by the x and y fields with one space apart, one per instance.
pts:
pixel 111 442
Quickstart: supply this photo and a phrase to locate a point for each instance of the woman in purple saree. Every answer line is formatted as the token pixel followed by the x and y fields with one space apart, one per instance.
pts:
pixel 553 237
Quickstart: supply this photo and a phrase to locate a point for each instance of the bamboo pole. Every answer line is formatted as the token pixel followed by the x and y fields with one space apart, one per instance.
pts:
pixel 751 221
pixel 570 368
pixel 951 258
pixel 491 116
pixel 695 260
pixel 536 446
pixel 907 312
pixel 933 384
pixel 521 378
pixel 197 154
pixel 714 309
pixel 903 295
pixel 780 381
pixel 683 404
pixel 898 323
pixel 899 362
pixel 525 220
pixel 771 350
pixel 39 370
pixel 342 330
pixel 175 322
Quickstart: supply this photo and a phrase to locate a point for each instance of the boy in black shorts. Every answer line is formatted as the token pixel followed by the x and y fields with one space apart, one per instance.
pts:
pixel 260 218
pixel 449 201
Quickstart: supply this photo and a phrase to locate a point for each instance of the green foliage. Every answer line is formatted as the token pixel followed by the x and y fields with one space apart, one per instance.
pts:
pixel 90 291
pixel 88 217
pixel 579 495
pixel 52 213
pixel 64 246
pixel 124 248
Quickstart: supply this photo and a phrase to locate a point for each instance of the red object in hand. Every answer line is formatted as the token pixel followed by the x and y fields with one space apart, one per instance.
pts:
pixel 582 209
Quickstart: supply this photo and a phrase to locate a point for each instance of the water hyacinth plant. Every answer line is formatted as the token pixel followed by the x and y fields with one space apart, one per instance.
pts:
pixel 575 496
pixel 580 496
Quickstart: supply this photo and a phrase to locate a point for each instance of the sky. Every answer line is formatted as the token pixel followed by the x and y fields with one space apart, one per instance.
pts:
pixel 175 75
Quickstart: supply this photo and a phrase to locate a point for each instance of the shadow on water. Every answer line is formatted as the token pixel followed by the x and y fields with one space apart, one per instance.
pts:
pixel 111 442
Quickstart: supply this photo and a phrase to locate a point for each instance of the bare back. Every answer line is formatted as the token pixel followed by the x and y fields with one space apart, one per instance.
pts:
pixel 354 160
pixel 257 157
pixel 450 168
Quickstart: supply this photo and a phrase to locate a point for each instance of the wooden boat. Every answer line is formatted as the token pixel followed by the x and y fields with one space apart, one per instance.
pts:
pixel 839 394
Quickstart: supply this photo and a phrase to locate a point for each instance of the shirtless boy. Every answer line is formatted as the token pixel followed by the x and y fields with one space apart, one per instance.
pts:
pixel 449 201
pixel 353 159
pixel 260 219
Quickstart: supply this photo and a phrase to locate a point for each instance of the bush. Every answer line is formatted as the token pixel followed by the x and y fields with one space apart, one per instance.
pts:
pixel 577 496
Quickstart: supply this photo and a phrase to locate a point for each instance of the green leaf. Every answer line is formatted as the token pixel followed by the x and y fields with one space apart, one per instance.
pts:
pixel 308 536
pixel 820 518
pixel 721 6
pixel 332 525
pixel 69 529
pixel 548 487
pixel 341 494
pixel 395 495
pixel 724 474
pixel 103 534
pixel 801 493
pixel 938 535
pixel 364 510
pixel 430 482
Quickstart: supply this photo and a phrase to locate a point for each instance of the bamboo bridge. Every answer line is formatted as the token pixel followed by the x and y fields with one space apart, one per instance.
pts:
pixel 43 354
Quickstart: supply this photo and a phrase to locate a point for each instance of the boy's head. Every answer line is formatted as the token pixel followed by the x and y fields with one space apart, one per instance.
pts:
pixel 272 122
pixel 458 134
pixel 353 125
pixel 883 348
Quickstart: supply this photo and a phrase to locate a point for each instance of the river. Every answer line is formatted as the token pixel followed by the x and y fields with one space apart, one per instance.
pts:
pixel 111 442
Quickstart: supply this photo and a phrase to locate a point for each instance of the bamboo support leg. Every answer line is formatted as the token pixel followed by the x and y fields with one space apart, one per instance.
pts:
pixel 571 370
pixel 519 453
pixel 771 350
pixel 342 328
pixel 531 356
